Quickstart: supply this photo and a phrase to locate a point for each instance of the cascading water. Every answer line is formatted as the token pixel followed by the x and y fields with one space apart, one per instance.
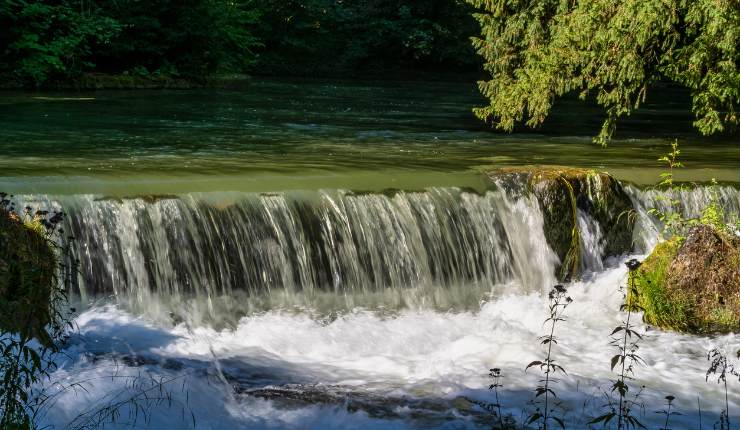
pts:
pixel 592 245
pixel 689 202
pixel 345 362
pixel 308 244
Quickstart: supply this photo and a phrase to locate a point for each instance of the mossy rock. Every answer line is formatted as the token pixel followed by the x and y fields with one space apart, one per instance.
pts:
pixel 560 191
pixel 28 267
pixel 692 285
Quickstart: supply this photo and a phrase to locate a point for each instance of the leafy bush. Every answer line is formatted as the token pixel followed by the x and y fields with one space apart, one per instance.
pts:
pixel 35 273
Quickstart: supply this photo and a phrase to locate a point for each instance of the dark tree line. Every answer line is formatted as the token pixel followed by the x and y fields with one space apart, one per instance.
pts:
pixel 46 41
pixel 366 36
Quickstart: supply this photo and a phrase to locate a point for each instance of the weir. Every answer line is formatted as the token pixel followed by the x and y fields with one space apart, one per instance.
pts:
pixel 173 282
pixel 334 242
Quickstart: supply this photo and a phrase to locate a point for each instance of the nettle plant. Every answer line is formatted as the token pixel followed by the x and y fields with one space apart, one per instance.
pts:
pixel 545 396
pixel 620 405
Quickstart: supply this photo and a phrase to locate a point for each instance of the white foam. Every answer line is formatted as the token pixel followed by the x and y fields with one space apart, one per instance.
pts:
pixel 417 354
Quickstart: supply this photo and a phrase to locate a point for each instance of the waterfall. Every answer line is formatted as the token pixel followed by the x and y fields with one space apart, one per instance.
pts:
pixel 335 244
pixel 689 202
pixel 198 260
pixel 592 243
pixel 307 242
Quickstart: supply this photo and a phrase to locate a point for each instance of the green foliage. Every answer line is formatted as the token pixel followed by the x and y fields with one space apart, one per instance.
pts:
pixel 363 36
pixel 45 40
pixel 52 41
pixel 58 40
pixel 715 214
pixel 673 221
pixel 671 161
pixel 27 274
pixel 35 273
pixel 675 225
pixel 193 38
pixel 662 308
pixel 538 50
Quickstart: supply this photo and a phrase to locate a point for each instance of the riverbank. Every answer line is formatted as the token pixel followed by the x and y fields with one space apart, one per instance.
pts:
pixel 235 81
pixel 102 81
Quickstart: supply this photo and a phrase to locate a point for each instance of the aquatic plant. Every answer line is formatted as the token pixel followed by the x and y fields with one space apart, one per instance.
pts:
pixel 559 301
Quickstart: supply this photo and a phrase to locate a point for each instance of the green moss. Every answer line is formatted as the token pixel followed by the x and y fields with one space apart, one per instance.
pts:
pixel 572 261
pixel 690 285
pixel 661 308
pixel 28 267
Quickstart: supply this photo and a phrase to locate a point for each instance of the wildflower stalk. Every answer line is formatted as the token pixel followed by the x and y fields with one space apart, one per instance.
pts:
pixel 627 357
pixel 558 302
pixel 668 412
pixel 721 367
pixel 496 376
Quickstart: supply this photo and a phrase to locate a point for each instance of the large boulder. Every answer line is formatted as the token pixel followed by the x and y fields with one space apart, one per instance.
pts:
pixel 692 285
pixel 561 193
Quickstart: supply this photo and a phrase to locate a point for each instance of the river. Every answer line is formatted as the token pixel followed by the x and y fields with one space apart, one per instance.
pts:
pixel 318 255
